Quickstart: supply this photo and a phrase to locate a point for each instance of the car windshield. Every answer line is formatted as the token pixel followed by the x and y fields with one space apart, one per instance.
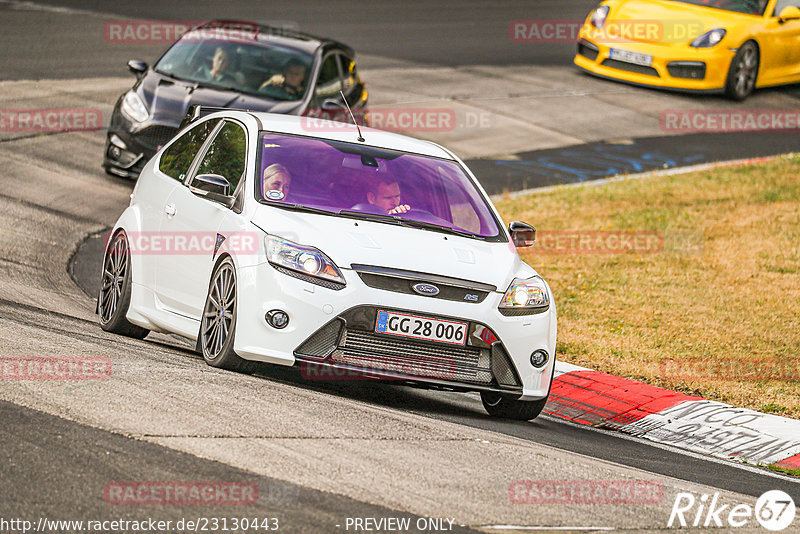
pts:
pixel 749 7
pixel 358 181
pixel 257 67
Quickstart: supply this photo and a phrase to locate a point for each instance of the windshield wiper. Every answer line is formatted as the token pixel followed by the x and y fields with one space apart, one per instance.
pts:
pixel 300 207
pixel 439 228
pixel 377 217
pixel 411 223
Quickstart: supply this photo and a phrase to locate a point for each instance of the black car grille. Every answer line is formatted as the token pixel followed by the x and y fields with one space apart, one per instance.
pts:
pixel 350 341
pixel 631 67
pixel 154 137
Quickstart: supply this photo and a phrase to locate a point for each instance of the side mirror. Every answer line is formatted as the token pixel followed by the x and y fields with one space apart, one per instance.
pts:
pixel 789 13
pixel 522 234
pixel 332 104
pixel 213 187
pixel 137 66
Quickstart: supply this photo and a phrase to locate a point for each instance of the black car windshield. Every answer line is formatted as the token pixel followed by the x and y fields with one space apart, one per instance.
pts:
pixel 362 182
pixel 257 67
pixel 749 7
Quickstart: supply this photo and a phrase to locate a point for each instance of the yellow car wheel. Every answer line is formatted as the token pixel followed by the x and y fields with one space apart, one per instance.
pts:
pixel 743 72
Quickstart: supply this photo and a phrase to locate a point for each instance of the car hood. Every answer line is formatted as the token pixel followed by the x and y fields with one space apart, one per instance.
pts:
pixel 676 22
pixel 350 241
pixel 168 99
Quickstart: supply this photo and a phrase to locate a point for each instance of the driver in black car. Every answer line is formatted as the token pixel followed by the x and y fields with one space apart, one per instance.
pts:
pixel 291 81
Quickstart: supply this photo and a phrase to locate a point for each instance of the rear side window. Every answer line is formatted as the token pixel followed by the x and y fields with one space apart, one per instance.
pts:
pixel 226 155
pixel 176 159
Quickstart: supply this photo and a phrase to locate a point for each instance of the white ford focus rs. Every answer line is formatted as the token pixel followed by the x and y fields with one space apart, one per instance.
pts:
pixel 293 240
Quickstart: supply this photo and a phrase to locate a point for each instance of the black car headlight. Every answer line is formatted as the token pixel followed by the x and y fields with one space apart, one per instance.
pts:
pixel 302 259
pixel 709 39
pixel 133 107
pixel 526 294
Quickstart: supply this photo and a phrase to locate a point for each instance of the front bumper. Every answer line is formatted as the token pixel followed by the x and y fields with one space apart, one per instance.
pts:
pixel 336 329
pixel 130 146
pixel 698 70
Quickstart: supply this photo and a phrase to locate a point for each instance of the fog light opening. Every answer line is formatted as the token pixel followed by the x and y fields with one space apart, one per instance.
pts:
pixel 277 319
pixel 539 358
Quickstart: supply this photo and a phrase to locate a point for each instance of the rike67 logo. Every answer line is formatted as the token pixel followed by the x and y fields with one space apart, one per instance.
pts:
pixel 774 511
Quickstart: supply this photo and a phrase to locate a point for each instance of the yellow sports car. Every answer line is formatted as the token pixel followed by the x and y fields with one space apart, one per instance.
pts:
pixel 707 46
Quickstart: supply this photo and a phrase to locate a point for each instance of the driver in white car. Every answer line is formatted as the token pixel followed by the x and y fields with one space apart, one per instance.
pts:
pixel 385 194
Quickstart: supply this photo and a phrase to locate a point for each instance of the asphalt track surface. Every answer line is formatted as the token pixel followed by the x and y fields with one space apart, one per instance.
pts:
pixel 42 452
pixel 60 469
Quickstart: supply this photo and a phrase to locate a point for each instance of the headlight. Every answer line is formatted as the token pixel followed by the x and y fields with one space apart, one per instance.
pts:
pixel 530 293
pixel 302 259
pixel 709 39
pixel 133 107
pixel 599 16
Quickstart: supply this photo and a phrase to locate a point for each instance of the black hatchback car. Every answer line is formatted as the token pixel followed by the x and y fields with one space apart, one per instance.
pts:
pixel 233 65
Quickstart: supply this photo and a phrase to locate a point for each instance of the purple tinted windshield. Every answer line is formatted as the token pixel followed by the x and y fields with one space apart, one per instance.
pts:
pixel 344 177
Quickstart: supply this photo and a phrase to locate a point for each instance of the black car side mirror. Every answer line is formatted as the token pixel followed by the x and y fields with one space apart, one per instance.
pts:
pixel 332 104
pixel 213 187
pixel 523 235
pixel 137 66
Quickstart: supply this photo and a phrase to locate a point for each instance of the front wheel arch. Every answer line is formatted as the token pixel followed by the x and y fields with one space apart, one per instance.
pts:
pixel 730 88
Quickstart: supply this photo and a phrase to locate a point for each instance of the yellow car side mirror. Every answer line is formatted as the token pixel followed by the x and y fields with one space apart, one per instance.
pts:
pixel 789 13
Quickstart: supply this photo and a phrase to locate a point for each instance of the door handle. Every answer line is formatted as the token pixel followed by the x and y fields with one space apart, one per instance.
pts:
pixel 170 210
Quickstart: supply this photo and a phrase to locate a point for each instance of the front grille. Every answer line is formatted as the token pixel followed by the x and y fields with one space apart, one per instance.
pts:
pixel 588 50
pixel 323 342
pixel 382 353
pixel 350 340
pixel 694 70
pixel 155 137
pixel 400 281
pixel 501 366
pixel 631 67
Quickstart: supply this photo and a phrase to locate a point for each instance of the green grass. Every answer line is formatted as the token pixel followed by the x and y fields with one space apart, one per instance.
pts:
pixel 722 291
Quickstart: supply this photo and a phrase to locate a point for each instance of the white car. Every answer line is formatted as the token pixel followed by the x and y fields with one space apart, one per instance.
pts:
pixel 293 240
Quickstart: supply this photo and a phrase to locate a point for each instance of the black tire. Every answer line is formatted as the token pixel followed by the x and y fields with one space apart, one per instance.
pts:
pixel 218 324
pixel 114 298
pixel 506 408
pixel 743 72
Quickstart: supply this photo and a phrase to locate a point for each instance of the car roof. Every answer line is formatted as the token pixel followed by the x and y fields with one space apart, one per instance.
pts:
pixel 337 131
pixel 278 36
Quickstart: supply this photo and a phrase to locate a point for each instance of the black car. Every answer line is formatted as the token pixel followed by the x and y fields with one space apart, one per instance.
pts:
pixel 233 65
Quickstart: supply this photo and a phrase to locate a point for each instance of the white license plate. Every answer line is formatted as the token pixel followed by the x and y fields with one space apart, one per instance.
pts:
pixel 631 57
pixel 418 327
